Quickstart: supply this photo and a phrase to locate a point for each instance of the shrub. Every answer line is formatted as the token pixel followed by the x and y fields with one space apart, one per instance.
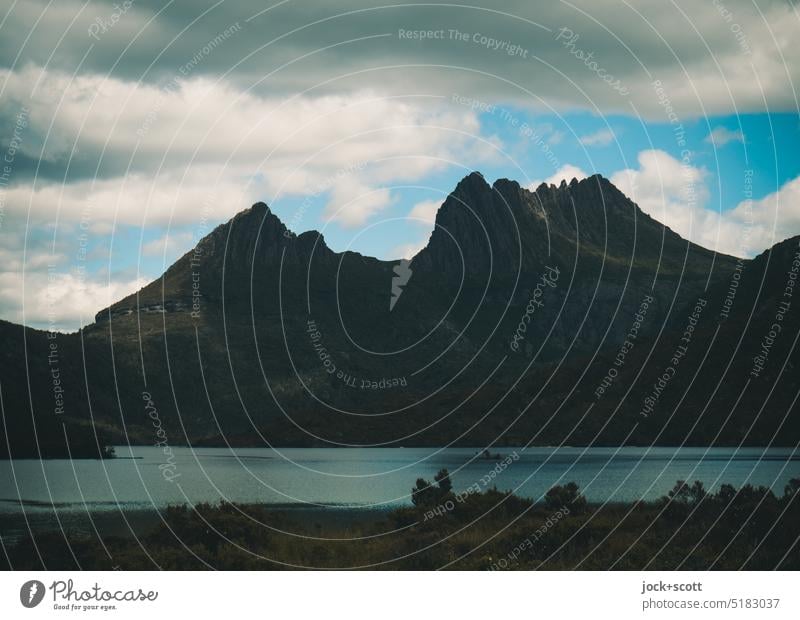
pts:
pixel 568 495
pixel 426 494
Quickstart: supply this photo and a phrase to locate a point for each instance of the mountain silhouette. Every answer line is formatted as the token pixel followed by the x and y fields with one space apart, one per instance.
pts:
pixel 546 317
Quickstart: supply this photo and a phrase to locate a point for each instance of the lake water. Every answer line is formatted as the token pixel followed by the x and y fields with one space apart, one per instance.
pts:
pixel 371 478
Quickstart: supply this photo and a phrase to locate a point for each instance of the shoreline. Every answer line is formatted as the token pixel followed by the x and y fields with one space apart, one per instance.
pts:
pixel 749 527
pixel 128 523
pixel 436 447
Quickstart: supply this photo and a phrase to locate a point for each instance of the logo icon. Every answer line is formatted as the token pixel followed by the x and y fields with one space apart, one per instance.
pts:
pixel 31 593
pixel 402 274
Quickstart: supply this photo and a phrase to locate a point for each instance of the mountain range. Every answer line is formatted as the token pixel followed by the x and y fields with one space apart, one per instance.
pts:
pixel 560 316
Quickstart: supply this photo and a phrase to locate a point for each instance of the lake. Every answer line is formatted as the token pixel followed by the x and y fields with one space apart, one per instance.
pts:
pixel 375 478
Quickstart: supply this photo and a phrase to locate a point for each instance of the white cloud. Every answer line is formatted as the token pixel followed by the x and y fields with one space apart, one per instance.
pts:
pixel 425 212
pixel 773 218
pixel 170 147
pixel 59 301
pixel 604 137
pixel 567 172
pixel 47 280
pixel 676 194
pixel 353 203
pixel 720 136
pixel 137 199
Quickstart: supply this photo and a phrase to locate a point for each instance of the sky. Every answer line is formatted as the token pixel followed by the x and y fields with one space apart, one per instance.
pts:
pixel 128 130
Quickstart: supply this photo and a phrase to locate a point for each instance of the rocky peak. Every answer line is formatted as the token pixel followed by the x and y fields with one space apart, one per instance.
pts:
pixel 480 229
pixel 477 226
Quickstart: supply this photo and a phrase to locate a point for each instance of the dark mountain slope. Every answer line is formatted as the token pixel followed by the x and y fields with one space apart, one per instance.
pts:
pixel 510 319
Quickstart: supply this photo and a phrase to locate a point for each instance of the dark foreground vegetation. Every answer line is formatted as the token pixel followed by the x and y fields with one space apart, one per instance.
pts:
pixel 691 529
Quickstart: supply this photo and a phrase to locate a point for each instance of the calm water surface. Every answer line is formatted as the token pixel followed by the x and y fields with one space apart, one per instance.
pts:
pixel 375 477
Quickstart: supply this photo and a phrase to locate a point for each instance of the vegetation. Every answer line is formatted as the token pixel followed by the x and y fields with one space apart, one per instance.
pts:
pixel 568 495
pixel 690 528
pixel 424 494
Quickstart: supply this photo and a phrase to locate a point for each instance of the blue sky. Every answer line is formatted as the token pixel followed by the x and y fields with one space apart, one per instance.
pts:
pixel 768 147
pixel 766 144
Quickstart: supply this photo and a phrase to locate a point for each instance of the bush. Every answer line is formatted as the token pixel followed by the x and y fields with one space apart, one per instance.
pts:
pixel 566 496
pixel 425 494
pixel 682 493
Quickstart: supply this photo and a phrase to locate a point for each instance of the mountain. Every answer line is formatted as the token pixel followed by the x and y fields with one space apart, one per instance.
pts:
pixel 560 315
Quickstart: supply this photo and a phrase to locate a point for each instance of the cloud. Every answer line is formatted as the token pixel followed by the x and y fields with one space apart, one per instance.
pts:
pixel 343 108
pixel 59 301
pixel 425 212
pixel 721 136
pixel 202 150
pixel 170 246
pixel 604 137
pixel 773 218
pixel 137 200
pixel 676 194
pixel 46 280
pixel 159 149
pixel 353 203
pixel 567 172
pixel 338 49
